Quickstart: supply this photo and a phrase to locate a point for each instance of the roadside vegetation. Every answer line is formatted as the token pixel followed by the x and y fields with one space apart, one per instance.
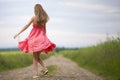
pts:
pixel 102 59
pixel 16 59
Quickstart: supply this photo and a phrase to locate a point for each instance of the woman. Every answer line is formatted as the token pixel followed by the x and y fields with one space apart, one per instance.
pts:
pixel 37 41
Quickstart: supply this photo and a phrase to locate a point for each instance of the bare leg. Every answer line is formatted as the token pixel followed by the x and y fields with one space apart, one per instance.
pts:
pixel 35 63
pixel 41 61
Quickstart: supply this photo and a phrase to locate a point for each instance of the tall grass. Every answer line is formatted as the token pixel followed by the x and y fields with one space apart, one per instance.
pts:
pixel 16 59
pixel 102 59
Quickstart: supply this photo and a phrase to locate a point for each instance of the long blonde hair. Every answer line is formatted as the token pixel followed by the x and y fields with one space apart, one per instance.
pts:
pixel 41 16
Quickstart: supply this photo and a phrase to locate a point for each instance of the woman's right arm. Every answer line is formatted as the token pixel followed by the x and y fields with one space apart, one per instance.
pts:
pixel 45 28
pixel 24 28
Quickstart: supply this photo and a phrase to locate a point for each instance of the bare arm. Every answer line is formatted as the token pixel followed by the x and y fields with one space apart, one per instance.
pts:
pixel 45 28
pixel 24 28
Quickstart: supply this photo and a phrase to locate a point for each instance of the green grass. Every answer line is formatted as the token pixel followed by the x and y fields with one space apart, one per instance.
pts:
pixel 16 59
pixel 102 59
pixel 52 70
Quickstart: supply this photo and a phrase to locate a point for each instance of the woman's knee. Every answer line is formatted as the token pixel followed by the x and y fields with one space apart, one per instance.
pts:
pixel 35 56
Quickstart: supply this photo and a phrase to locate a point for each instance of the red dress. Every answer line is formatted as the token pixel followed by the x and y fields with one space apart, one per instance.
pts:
pixel 37 41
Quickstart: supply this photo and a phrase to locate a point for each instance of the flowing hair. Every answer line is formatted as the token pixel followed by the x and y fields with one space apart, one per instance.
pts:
pixel 41 16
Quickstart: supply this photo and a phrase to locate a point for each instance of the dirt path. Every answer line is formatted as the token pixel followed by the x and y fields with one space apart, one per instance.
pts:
pixel 67 70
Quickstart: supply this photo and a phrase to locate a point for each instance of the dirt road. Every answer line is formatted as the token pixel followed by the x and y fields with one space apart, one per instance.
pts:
pixel 67 70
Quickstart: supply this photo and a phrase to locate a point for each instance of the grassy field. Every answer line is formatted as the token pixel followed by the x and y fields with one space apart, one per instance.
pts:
pixel 16 59
pixel 102 59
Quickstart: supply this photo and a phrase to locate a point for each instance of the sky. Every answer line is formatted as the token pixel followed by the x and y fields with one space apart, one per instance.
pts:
pixel 73 23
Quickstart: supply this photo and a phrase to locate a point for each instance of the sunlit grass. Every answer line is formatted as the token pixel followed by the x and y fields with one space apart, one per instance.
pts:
pixel 14 59
pixel 17 59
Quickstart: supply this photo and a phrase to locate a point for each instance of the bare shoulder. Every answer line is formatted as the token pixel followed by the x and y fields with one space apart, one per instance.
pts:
pixel 33 17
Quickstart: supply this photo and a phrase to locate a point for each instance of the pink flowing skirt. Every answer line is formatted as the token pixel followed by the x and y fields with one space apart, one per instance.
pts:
pixel 37 41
